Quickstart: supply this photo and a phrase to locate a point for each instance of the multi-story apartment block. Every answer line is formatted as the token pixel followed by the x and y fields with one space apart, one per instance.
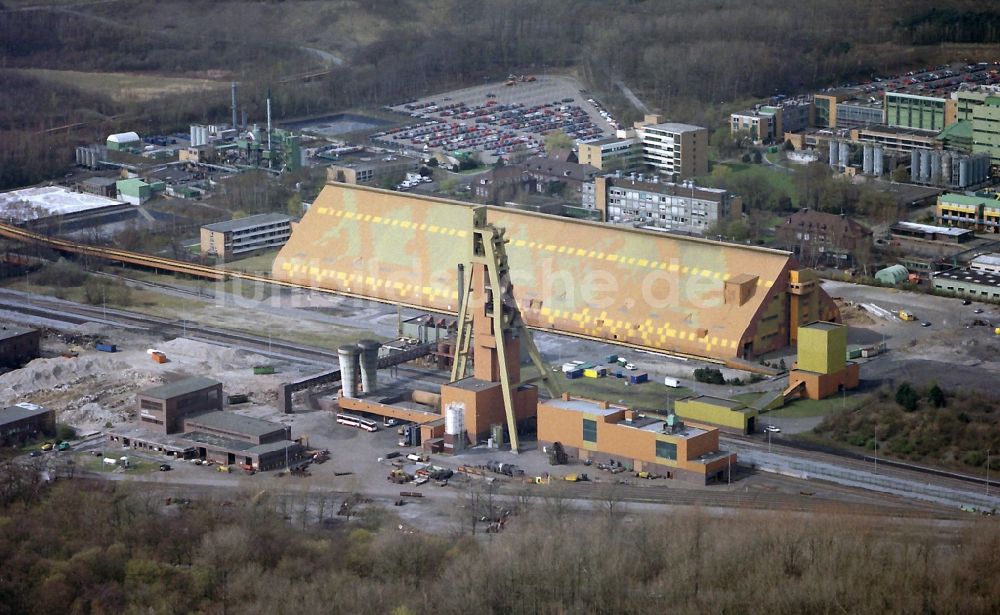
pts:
pixel 762 123
pixel 673 149
pixel 648 202
pixel 227 239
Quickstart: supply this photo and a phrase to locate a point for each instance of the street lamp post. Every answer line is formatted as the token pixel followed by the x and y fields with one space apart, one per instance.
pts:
pixel 988 472
pixel 876 450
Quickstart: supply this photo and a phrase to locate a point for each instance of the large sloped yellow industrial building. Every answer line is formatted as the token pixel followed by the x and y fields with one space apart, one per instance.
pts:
pixel 644 288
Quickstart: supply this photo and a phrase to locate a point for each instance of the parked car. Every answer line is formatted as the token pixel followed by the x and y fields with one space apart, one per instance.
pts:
pixel 165 467
pixel 925 324
pixel 772 429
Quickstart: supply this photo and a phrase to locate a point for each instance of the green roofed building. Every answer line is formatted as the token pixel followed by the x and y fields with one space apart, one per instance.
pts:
pixel 134 191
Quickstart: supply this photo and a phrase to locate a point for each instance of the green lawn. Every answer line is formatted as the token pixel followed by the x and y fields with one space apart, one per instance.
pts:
pixel 649 395
pixel 259 263
pixel 806 408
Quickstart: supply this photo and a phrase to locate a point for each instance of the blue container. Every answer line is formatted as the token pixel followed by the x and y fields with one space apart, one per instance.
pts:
pixel 573 375
pixel 638 378
pixel 106 347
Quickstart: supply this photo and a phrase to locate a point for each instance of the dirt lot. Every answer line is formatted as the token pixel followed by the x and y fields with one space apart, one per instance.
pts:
pixel 951 350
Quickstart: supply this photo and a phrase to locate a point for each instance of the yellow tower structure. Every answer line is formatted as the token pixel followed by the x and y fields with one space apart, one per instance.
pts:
pixel 490 332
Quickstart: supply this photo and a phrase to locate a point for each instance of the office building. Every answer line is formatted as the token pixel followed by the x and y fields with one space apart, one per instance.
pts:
pixel 763 124
pixel 904 110
pixel 980 213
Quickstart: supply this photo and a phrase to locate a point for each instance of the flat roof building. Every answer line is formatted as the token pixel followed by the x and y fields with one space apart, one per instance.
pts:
pixel 185 419
pixel 980 213
pixel 622 153
pixel 18 345
pixel 24 421
pixel 929 232
pixel 647 202
pixel 677 150
pixel 986 263
pixel 53 204
pixel 726 414
pixel 243 235
pixel 763 124
pixel 371 169
pixel 164 408
pixel 600 431
pixel 971 283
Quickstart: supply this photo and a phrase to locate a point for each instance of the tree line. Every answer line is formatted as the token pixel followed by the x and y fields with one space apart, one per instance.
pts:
pixel 94 547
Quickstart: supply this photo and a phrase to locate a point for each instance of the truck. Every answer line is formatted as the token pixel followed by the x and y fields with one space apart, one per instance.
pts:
pixel 907 316
pixel 673 383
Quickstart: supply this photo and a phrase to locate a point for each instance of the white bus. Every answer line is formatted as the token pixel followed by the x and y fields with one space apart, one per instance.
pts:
pixel 356 421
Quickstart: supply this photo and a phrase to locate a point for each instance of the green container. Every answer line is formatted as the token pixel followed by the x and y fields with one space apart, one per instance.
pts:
pixel 261 370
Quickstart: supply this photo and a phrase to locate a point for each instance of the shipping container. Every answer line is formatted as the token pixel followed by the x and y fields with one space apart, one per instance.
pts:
pixel 239 398
pixel 158 357
pixel 638 378
pixel 106 347
pixel 672 382
pixel 260 370
pixel 595 372
pixel 573 375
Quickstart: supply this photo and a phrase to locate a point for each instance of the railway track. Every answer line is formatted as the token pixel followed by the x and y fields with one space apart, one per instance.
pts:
pixel 79 314
pixel 865 463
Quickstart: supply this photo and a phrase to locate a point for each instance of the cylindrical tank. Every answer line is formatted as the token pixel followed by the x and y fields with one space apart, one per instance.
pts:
pixel 935 167
pixel 427 398
pixel 867 163
pixel 914 165
pixel 369 365
pixel 946 168
pixel 348 355
pixel 454 418
pixel 877 165
pixel 925 165
pixel 963 173
pixel 833 153
pixel 845 153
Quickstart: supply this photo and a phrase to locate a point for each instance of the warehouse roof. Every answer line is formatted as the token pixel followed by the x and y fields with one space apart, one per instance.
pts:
pixel 236 423
pixel 585 406
pixel 244 223
pixel 20 412
pixel 990 260
pixel 42 202
pixel 180 387
pixel 952 231
pixel 732 404
pixel 667 290
pixel 971 276
pixel 9 331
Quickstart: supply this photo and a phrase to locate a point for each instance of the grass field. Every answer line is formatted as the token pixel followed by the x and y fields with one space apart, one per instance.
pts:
pixel 260 263
pixel 124 86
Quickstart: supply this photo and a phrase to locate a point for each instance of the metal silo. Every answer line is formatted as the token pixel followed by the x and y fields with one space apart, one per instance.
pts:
pixel 877 164
pixel 844 154
pixel 925 165
pixel 833 153
pixel 867 162
pixel 963 173
pixel 914 165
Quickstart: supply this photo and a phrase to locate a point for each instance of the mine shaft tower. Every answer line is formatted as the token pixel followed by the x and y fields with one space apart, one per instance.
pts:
pixel 489 322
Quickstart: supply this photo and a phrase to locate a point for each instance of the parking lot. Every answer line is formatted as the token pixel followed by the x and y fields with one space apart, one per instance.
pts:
pixel 498 118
